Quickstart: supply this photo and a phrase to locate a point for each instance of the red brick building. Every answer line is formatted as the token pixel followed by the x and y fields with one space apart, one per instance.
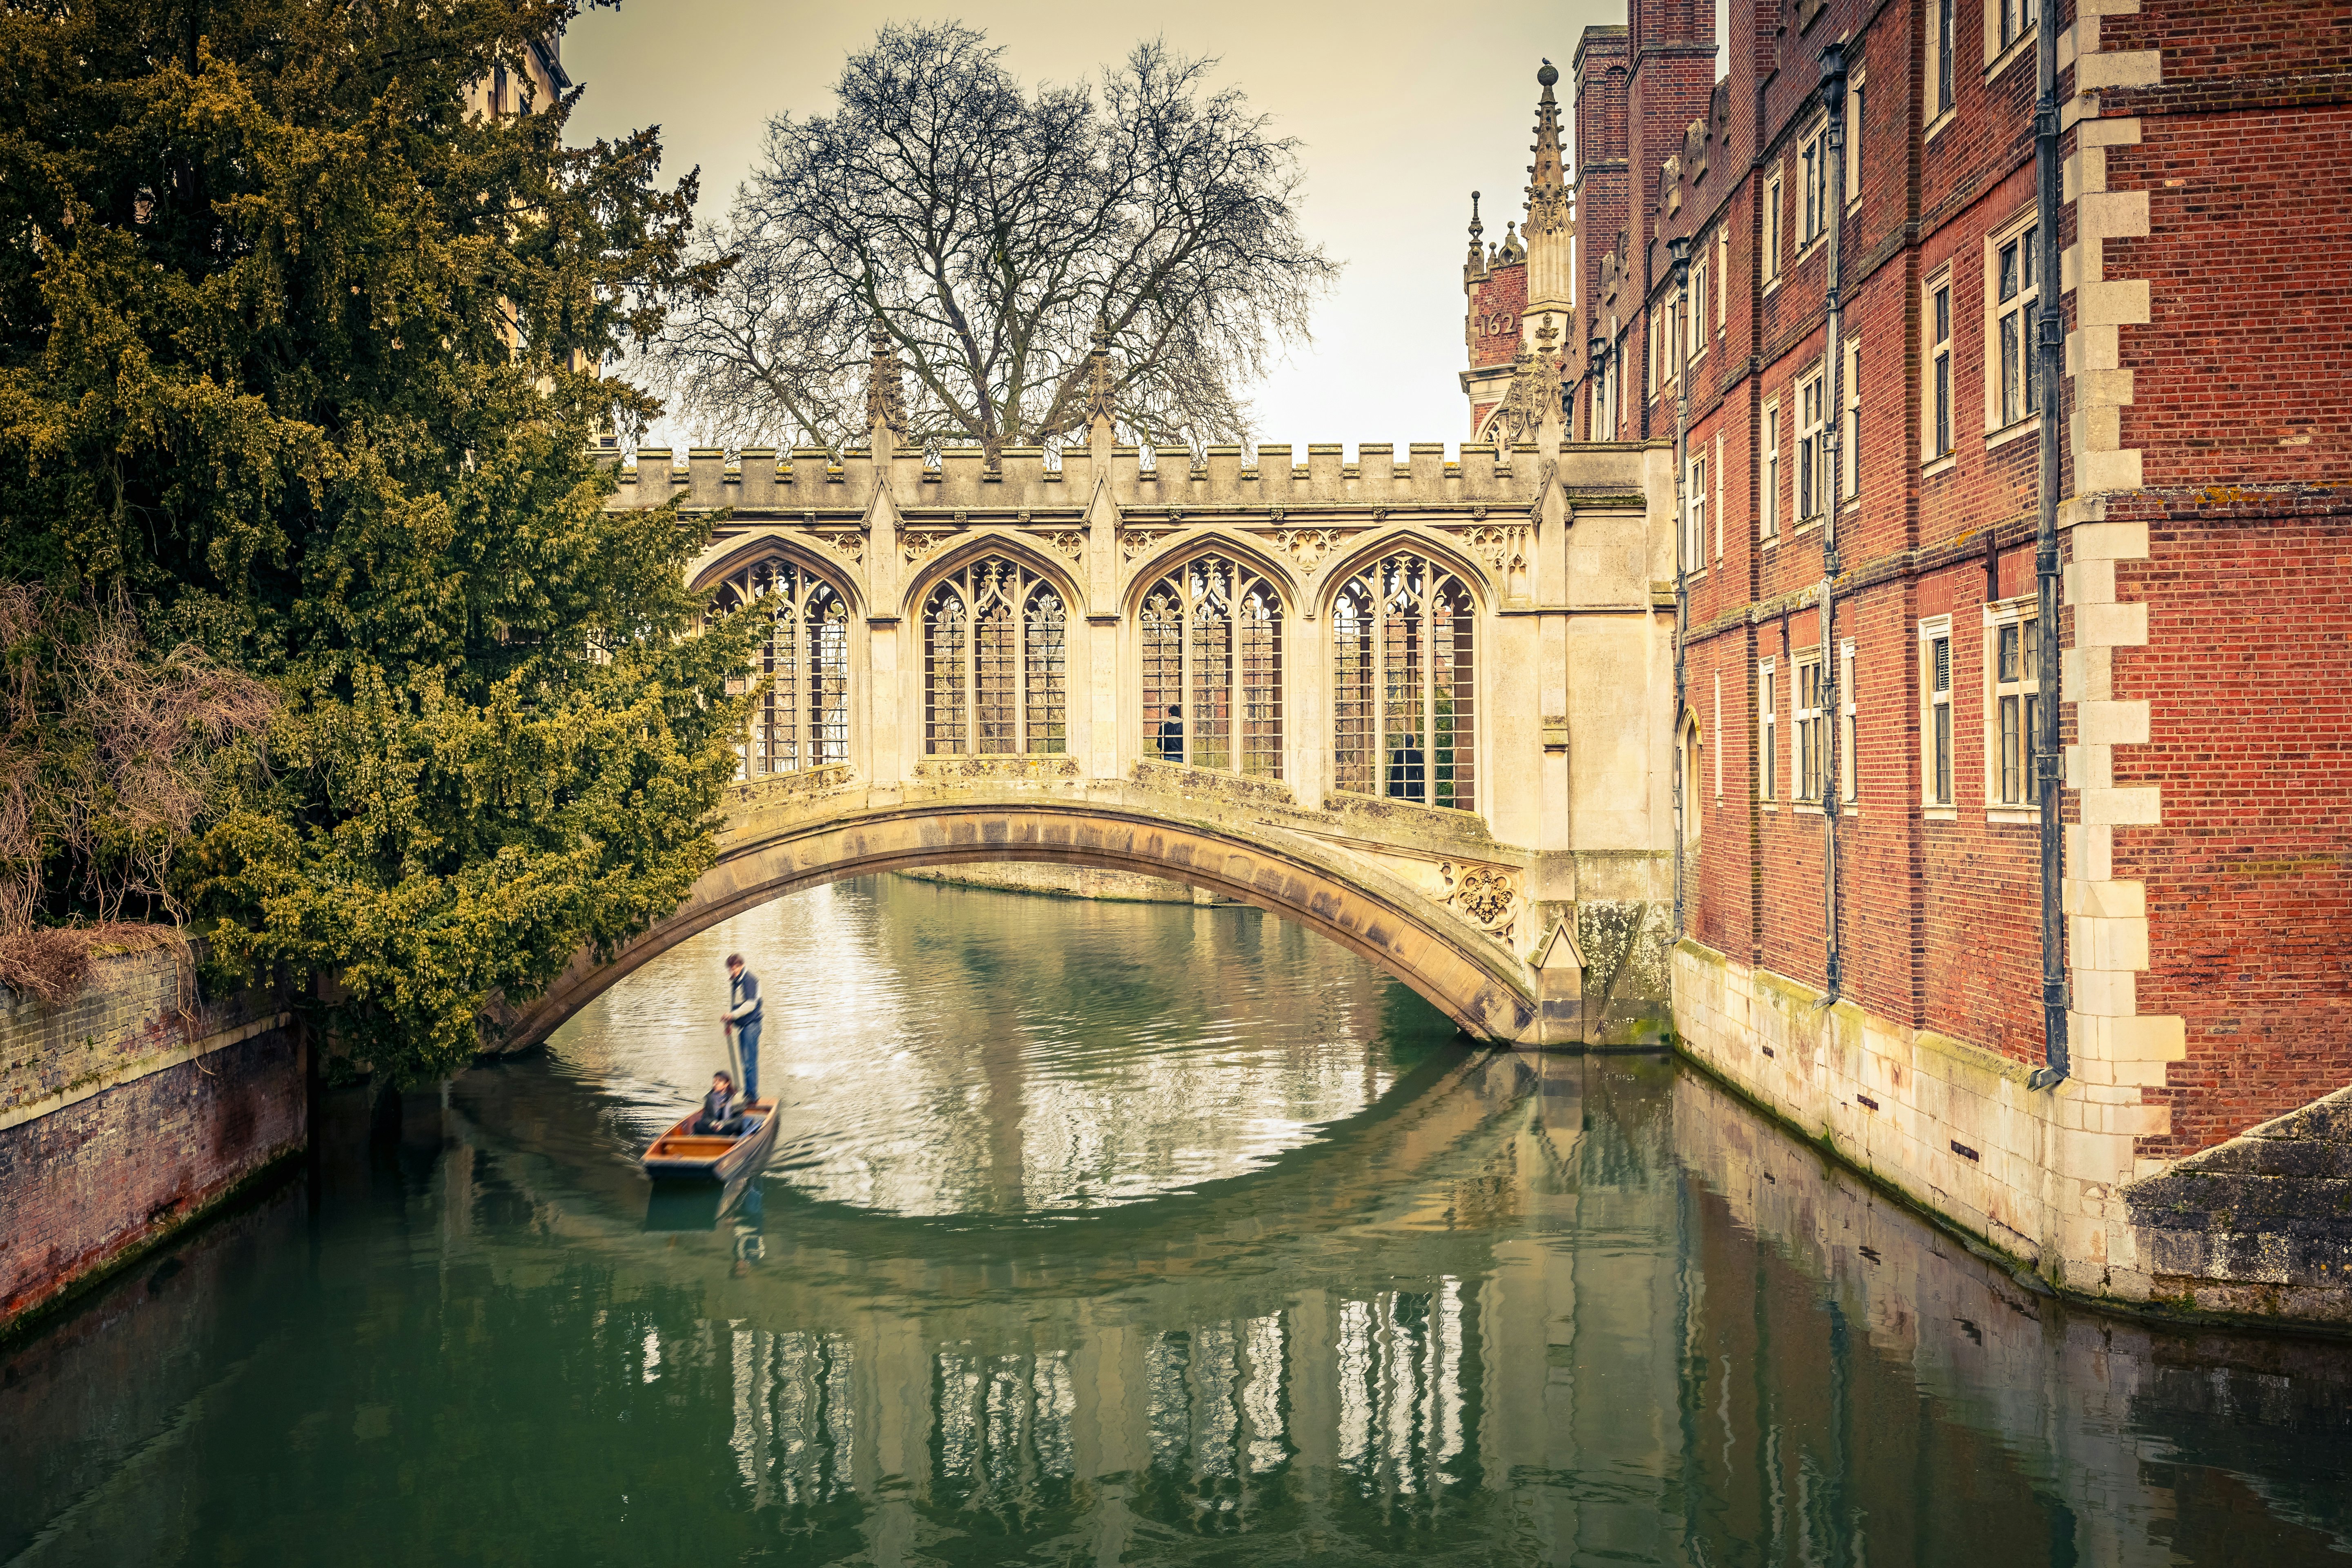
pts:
pixel 2205 531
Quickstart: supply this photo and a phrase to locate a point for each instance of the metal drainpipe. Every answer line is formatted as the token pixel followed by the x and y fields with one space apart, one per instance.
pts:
pixel 1833 430
pixel 2050 345
pixel 1678 250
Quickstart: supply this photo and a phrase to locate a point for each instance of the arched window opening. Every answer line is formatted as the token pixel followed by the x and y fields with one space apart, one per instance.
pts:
pixel 995 663
pixel 1691 753
pixel 803 719
pixel 1404 684
pixel 1211 635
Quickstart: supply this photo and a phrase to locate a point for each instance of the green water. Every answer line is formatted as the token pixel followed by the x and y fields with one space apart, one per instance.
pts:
pixel 1120 1234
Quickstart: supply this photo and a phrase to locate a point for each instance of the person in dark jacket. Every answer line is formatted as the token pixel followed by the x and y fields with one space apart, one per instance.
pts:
pixel 1172 736
pixel 743 1015
pixel 717 1118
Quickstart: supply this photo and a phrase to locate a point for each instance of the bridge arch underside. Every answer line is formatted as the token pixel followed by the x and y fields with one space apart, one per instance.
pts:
pixel 1461 971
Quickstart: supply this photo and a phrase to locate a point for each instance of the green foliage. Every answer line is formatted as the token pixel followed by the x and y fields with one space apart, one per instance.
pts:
pixel 292 339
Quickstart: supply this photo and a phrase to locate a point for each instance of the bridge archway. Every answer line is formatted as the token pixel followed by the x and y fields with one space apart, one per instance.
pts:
pixel 857 830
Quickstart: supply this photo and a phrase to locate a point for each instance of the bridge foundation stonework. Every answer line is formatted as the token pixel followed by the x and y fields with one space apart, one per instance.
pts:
pixel 1419 706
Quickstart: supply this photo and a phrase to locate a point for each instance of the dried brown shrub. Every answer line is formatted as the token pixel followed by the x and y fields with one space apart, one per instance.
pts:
pixel 110 754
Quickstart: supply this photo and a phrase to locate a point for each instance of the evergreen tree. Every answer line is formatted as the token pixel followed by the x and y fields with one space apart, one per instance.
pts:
pixel 297 361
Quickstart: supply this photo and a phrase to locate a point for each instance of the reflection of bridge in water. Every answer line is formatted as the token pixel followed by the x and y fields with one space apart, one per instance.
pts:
pixel 1421 708
pixel 1493 1304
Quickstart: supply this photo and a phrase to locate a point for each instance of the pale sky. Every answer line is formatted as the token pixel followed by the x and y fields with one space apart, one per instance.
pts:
pixel 1402 110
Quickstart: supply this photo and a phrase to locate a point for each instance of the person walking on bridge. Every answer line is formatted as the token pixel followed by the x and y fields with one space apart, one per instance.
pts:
pixel 743 1017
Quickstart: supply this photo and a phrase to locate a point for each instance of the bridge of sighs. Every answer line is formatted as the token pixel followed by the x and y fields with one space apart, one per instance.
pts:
pixel 1420 705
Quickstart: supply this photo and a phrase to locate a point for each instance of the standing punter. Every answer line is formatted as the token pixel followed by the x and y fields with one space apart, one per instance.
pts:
pixel 743 1014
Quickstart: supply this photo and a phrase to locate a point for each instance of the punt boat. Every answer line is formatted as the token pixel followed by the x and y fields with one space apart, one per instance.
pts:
pixel 682 1155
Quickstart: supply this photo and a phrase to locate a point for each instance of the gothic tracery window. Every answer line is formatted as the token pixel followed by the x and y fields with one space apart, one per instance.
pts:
pixel 995 663
pixel 1212 640
pixel 801 721
pixel 1403 683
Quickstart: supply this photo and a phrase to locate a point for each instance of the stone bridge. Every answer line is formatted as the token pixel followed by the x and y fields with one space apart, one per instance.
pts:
pixel 1420 707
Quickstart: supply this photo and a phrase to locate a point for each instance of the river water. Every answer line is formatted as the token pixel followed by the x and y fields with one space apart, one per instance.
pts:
pixel 1120 1234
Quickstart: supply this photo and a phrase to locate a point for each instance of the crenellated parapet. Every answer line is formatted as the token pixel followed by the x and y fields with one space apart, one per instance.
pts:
pixel 1222 478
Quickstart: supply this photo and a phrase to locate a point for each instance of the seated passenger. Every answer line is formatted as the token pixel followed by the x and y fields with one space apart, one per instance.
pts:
pixel 719 1118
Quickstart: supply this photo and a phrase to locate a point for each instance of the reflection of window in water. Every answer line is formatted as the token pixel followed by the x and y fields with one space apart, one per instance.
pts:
pixel 794 1425
pixel 1403 686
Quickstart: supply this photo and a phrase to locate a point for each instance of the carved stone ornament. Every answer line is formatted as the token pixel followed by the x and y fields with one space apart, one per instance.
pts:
pixel 1535 392
pixel 1136 542
pixel 850 545
pixel 1070 542
pixel 1308 546
pixel 1501 548
pixel 919 545
pixel 1488 896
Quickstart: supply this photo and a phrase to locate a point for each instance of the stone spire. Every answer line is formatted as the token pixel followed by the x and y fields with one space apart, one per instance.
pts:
pixel 1477 262
pixel 1550 221
pixel 886 393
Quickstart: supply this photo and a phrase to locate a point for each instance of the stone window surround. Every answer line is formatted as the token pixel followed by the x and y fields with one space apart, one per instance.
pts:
pixel 1800 660
pixel 2020 610
pixel 1768 519
pixel 1930 459
pixel 1996 432
pixel 1932 630
pixel 1849 774
pixel 1768 718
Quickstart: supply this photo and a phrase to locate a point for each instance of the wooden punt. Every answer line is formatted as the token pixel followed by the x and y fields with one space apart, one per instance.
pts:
pixel 682 1155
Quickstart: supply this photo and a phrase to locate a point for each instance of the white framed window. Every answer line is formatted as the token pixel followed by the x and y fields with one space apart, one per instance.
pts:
pixel 1810 447
pixel 2007 21
pixel 1941 97
pixel 1692 745
pixel 1772 209
pixel 1694 516
pixel 1651 375
pixel 1695 307
pixel 1938 319
pixel 1808 756
pixel 1935 712
pixel 1850 445
pixel 1849 779
pixel 1813 214
pixel 1857 96
pixel 2012 704
pixel 1718 498
pixel 1722 271
pixel 2012 289
pixel 1768 517
pixel 1768 719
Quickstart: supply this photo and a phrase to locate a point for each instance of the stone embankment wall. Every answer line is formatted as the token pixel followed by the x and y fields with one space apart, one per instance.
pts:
pixel 2259 1227
pixel 127 1112
pixel 1067 882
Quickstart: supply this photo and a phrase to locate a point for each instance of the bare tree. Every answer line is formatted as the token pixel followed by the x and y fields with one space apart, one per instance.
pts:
pixel 993 233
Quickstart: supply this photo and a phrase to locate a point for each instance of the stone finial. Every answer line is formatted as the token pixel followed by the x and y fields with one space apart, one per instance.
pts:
pixel 1476 230
pixel 1101 400
pixel 886 396
pixel 1547 210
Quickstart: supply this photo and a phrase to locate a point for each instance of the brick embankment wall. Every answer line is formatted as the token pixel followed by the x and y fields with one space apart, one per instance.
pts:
pixel 126 1113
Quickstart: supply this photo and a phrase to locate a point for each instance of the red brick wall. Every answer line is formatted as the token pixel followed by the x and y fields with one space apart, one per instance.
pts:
pixel 81 1186
pixel 1493 328
pixel 2248 675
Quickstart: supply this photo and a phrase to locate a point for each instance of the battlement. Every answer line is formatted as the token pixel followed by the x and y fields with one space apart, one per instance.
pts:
pixel 1268 478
